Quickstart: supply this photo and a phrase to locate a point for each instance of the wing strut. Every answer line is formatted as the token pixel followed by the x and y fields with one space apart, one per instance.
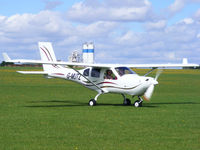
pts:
pixel 150 71
pixel 102 91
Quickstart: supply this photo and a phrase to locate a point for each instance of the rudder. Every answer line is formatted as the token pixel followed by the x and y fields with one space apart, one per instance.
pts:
pixel 47 54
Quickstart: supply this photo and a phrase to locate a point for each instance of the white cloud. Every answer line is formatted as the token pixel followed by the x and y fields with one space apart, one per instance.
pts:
pixel 114 41
pixel 198 35
pixel 35 25
pixel 161 24
pixel 170 55
pixel 18 32
pixel 178 5
pixel 95 29
pixel 109 10
pixel 187 21
pixel 197 14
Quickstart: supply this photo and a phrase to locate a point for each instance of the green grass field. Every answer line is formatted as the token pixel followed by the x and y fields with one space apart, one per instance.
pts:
pixel 48 114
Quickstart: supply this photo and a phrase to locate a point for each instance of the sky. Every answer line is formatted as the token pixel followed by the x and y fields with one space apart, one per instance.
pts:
pixel 128 31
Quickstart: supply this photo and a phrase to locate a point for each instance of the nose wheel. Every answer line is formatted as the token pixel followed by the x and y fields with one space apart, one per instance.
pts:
pixel 138 103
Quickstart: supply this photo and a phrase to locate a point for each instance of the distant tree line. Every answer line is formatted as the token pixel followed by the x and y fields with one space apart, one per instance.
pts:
pixel 10 64
pixel 191 67
pixel 3 63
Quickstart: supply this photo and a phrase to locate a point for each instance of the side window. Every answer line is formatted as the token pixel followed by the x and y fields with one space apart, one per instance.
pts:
pixel 109 75
pixel 86 72
pixel 95 72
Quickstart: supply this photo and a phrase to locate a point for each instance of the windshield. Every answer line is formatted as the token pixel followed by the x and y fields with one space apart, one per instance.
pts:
pixel 124 70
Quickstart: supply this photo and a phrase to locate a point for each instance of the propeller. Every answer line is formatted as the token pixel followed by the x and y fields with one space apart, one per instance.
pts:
pixel 149 91
pixel 158 73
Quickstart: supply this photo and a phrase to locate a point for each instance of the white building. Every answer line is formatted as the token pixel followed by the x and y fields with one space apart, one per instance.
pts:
pixel 88 53
pixel 75 57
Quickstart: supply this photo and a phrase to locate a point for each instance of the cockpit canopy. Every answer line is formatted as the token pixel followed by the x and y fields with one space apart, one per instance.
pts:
pixel 124 70
pixel 110 73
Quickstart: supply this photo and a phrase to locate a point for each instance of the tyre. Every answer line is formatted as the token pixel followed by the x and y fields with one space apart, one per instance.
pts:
pixel 92 102
pixel 137 103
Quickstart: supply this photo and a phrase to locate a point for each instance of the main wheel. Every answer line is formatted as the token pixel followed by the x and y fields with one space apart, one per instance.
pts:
pixel 137 103
pixel 92 102
pixel 127 102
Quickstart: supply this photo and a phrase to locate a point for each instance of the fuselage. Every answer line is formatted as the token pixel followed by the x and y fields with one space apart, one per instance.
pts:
pixel 110 80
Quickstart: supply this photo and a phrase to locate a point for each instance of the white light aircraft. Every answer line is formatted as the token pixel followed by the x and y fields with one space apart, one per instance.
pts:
pixel 103 78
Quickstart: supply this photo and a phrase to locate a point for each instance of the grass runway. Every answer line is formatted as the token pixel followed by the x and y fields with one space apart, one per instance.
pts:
pixel 49 114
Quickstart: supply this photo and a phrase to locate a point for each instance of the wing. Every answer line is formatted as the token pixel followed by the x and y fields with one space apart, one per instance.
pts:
pixel 70 64
pixel 32 72
pixel 161 65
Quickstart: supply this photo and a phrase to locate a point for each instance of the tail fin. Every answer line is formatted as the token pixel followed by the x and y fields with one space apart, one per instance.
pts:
pixel 185 61
pixel 6 57
pixel 47 54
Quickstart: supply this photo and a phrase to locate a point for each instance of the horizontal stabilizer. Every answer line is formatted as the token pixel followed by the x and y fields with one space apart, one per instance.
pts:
pixel 32 72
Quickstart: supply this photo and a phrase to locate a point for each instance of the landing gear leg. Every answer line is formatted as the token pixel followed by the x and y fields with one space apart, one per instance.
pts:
pixel 138 103
pixel 127 101
pixel 93 102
